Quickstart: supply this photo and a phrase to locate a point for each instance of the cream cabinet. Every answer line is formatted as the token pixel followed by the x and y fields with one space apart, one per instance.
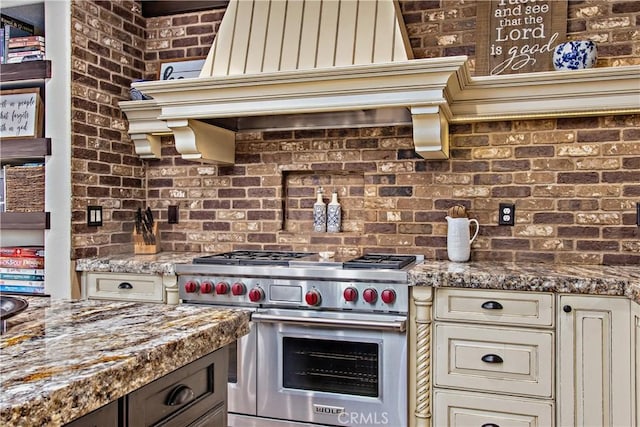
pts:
pixel 506 358
pixel 595 382
pixel 130 287
pixel 494 358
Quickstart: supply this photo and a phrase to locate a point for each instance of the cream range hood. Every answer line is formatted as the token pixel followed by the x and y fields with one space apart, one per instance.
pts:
pixel 307 64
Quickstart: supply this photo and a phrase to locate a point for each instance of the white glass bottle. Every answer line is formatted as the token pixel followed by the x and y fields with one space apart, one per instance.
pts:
pixel 334 214
pixel 319 213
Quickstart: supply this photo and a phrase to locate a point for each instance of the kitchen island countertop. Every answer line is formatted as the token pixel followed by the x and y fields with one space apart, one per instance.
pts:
pixel 60 360
pixel 561 278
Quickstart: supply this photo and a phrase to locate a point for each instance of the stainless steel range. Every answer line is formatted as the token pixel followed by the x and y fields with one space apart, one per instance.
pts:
pixel 328 342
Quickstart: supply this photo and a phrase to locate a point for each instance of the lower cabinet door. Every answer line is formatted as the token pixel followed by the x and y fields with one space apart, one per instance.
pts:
pixel 467 409
pixel 107 416
pixel 595 386
pixel 183 397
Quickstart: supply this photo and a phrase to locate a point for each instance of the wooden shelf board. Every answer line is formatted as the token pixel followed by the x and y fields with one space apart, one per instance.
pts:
pixel 25 71
pixel 24 220
pixel 24 149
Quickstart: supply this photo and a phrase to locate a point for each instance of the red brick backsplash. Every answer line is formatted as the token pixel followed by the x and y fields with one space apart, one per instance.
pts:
pixel 574 181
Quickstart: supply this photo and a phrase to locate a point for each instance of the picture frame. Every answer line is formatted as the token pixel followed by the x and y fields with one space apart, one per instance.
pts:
pixel 21 113
pixel 182 69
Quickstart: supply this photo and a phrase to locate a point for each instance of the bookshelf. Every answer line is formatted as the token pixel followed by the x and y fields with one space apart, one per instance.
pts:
pixel 15 151
pixel 52 227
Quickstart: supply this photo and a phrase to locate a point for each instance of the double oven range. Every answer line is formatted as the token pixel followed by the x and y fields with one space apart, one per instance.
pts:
pixel 328 341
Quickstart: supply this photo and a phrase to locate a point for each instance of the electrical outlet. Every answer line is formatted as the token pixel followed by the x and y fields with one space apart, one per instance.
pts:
pixel 507 214
pixel 94 216
pixel 638 214
pixel 172 214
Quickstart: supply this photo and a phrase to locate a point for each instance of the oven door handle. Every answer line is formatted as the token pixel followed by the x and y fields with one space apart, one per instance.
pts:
pixel 394 325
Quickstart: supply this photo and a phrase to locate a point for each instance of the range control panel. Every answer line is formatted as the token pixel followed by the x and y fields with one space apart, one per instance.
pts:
pixel 267 292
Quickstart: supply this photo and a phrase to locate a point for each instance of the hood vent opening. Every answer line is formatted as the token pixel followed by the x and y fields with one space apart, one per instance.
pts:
pixel 299 64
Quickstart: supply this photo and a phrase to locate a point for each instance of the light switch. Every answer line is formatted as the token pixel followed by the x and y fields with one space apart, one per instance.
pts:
pixel 172 215
pixel 94 216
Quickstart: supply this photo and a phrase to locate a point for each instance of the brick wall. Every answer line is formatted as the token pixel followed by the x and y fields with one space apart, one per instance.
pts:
pixel 574 181
pixel 107 50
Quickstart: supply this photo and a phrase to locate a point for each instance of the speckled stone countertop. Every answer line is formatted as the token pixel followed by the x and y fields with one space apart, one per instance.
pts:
pixel 62 359
pixel 584 279
pixel 581 279
pixel 160 263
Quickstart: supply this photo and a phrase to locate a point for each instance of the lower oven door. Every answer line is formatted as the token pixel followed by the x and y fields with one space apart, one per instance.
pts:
pixel 332 368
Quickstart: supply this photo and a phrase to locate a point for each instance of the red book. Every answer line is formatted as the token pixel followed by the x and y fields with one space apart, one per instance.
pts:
pixel 39 39
pixel 13 44
pixel 22 251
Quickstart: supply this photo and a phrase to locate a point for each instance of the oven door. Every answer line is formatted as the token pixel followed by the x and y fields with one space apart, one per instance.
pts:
pixel 332 368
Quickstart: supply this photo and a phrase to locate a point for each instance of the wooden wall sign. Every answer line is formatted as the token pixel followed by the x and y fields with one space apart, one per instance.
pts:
pixel 21 113
pixel 184 69
pixel 518 36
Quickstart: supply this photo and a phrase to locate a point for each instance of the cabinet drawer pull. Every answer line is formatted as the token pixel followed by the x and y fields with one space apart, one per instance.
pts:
pixel 492 358
pixel 125 285
pixel 489 425
pixel 179 395
pixel 492 305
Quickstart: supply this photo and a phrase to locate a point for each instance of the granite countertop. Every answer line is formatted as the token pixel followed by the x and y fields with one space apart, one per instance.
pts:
pixel 581 279
pixel 62 359
pixel 160 263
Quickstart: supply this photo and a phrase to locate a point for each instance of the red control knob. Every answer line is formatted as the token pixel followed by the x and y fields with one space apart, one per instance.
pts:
pixel 313 297
pixel 370 295
pixel 222 288
pixel 191 286
pixel 206 287
pixel 256 294
pixel 388 296
pixel 350 294
pixel 238 288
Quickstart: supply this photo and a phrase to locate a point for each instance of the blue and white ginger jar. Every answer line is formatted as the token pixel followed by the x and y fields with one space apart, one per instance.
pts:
pixel 575 55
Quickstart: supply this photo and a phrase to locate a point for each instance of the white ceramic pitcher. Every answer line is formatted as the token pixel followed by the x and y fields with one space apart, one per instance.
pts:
pixel 458 241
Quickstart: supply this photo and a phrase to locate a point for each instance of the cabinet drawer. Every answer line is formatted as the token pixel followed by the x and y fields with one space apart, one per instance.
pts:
pixel 130 287
pixel 494 359
pixel 183 396
pixel 495 307
pixel 461 409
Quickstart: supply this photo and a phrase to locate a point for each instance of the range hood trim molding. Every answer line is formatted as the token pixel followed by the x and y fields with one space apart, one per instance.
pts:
pixel 437 92
pixel 413 85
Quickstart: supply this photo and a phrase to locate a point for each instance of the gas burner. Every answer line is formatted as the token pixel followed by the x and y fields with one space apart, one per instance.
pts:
pixel 390 261
pixel 248 257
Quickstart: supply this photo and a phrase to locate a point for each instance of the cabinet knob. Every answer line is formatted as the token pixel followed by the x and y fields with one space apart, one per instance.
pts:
pixel 179 395
pixel 491 305
pixel 492 358
pixel 567 309
pixel 489 425
pixel 125 285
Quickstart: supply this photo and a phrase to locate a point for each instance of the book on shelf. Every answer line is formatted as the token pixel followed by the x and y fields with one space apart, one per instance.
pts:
pixel 29 283
pixel 36 251
pixel 26 277
pixel 13 28
pixel 16 54
pixel 31 48
pixel 22 289
pixel 21 59
pixel 26 41
pixel 13 262
pixel 26 28
pixel 33 271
